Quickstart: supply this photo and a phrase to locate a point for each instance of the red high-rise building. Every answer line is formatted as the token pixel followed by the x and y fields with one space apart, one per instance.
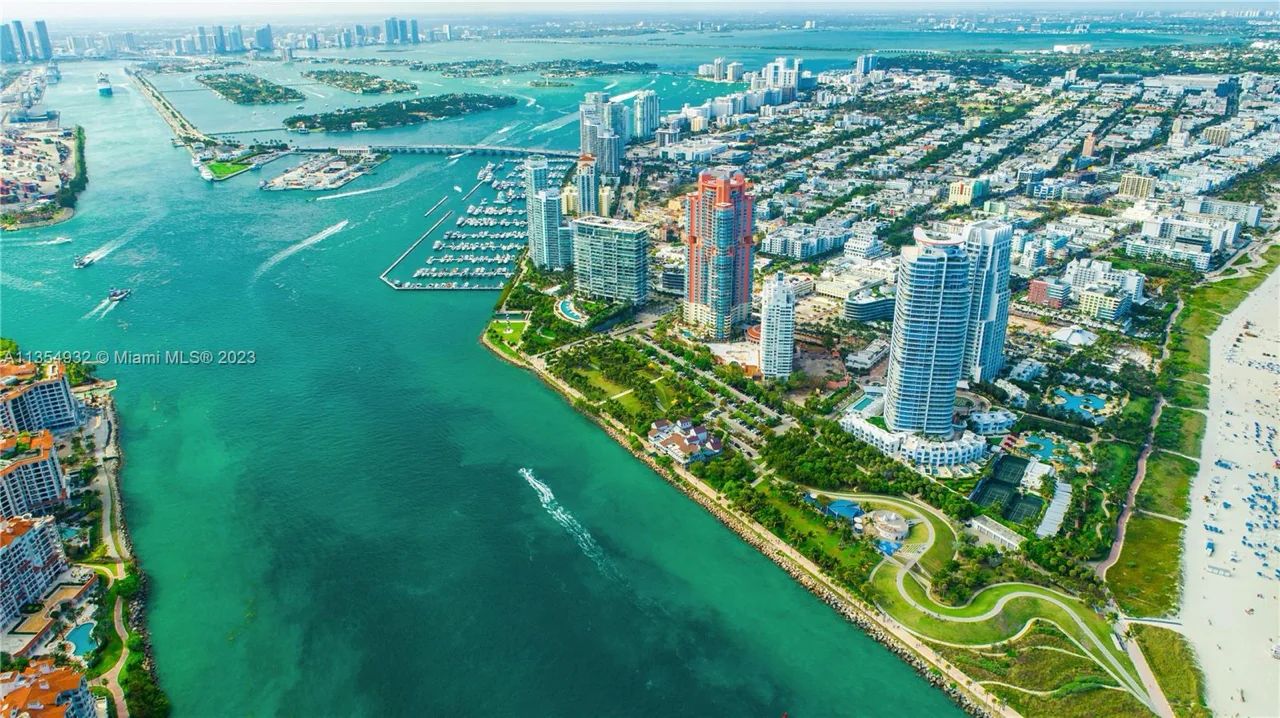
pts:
pixel 720 221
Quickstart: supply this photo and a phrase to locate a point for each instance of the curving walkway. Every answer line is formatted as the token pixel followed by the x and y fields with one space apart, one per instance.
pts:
pixel 1079 632
pixel 1100 653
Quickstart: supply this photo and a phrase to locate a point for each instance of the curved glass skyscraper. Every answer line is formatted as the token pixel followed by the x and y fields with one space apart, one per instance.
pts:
pixel 930 328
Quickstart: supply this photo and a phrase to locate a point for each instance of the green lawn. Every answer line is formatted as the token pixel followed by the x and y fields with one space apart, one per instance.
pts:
pixel 1044 660
pixel 1167 484
pixel 1075 700
pixel 1174 664
pixel 1190 395
pixel 1180 430
pixel 226 169
pixel 1041 660
pixel 600 382
pixel 1146 579
pixel 506 336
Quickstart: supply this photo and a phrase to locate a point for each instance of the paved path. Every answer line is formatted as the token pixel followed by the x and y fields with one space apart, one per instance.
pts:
pixel 112 676
pixel 1131 498
pixel 778 547
pixel 103 433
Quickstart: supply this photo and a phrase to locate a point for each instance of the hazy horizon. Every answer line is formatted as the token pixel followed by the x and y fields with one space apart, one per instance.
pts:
pixel 710 9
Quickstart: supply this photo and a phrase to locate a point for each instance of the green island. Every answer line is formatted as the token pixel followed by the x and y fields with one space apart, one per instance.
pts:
pixel 547 68
pixel 402 112
pixel 549 83
pixel 361 83
pixel 245 89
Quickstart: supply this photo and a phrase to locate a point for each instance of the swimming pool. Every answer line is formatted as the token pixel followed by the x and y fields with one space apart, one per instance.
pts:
pixel 82 638
pixel 1083 404
pixel 863 403
pixel 1041 446
pixel 570 311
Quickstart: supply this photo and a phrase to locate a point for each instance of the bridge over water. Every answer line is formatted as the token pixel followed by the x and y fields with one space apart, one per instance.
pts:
pixel 481 150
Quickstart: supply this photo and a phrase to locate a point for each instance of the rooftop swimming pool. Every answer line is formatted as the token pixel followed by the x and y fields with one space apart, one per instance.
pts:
pixel 81 637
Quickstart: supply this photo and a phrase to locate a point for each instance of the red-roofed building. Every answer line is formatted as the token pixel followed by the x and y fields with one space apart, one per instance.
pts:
pixel 31 559
pixel 31 478
pixel 34 396
pixel 684 441
pixel 44 690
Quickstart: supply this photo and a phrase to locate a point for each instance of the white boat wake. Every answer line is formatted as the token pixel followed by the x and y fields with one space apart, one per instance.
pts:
pixel 101 306
pixel 106 249
pixel 37 242
pixel 555 124
pixel 314 93
pixel 611 85
pixel 110 306
pixel 293 249
pixel 624 96
pixel 577 531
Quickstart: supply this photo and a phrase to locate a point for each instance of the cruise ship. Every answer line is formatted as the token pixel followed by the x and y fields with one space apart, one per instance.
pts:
pixel 104 85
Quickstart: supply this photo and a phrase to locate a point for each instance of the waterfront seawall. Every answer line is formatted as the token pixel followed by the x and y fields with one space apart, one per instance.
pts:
pixel 973 700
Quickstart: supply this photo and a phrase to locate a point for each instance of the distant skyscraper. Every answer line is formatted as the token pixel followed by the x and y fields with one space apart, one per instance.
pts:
pixel 988 244
pixel 611 259
pixel 719 225
pixel 603 131
pixel 390 27
pixel 402 31
pixel 864 65
pixel 777 327
pixel 446 32
pixel 24 50
pixel 542 209
pixel 235 39
pixel 42 40
pixel 262 38
pixel 588 185
pixel 927 346
pixel 8 50
pixel 219 39
pixel 413 31
pixel 647 114
pixel 202 40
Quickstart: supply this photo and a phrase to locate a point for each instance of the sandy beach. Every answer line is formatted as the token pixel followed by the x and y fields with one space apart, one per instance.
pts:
pixel 1231 599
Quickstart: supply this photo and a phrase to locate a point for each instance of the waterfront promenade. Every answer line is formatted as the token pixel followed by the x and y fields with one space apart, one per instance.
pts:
pixel 878 624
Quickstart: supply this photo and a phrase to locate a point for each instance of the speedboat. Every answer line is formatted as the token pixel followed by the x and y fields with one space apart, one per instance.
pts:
pixel 117 295
pixel 82 262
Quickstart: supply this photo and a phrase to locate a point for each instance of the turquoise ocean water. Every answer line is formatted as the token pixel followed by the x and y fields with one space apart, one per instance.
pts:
pixel 341 528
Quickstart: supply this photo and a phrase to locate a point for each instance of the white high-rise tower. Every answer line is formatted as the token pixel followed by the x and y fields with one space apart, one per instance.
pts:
pixel 777 328
pixel 988 244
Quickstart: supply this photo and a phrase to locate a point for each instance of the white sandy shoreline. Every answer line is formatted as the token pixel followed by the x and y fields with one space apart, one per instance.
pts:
pixel 1233 645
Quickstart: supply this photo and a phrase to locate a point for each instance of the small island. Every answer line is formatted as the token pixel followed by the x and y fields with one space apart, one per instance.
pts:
pixel 550 83
pixel 245 89
pixel 361 83
pixel 547 68
pixel 396 114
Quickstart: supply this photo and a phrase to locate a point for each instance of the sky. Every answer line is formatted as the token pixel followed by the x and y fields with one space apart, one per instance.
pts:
pixel 324 9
